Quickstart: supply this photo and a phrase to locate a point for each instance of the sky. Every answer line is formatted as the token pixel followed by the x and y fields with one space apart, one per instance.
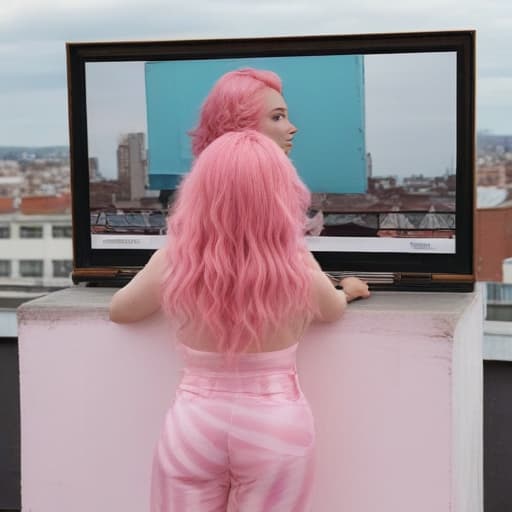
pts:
pixel 33 33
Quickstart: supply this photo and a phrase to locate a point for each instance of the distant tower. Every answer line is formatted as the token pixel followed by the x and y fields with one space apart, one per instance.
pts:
pixel 131 166
pixel 93 169
pixel 369 166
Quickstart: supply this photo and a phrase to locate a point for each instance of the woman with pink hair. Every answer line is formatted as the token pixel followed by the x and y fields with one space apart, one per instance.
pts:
pixel 238 280
pixel 244 99
pixel 249 98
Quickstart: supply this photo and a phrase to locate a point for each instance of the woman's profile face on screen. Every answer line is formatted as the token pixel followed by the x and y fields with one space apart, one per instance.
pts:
pixel 274 122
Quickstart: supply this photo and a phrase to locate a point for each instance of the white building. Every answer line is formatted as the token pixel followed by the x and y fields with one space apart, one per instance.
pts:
pixel 507 271
pixel 36 256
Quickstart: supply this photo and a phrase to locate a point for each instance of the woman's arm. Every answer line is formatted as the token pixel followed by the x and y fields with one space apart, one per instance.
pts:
pixel 141 296
pixel 331 303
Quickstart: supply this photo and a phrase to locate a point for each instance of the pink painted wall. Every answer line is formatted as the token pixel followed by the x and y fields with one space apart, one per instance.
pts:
pixel 384 429
pixel 388 386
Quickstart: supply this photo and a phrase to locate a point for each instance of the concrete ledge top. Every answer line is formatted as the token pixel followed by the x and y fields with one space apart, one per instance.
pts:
pixel 79 301
pixel 497 341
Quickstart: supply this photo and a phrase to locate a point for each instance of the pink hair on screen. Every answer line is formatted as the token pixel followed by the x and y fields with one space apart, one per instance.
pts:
pixel 233 104
pixel 236 243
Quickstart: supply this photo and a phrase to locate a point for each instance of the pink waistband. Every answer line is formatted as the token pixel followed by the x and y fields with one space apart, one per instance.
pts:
pixel 259 383
pixel 261 373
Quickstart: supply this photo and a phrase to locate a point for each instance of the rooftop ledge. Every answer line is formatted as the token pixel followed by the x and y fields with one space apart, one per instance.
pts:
pixel 443 309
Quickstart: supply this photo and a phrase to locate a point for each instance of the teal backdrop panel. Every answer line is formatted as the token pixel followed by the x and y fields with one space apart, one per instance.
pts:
pixel 325 97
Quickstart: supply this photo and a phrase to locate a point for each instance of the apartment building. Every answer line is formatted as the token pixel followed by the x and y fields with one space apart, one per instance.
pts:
pixel 35 250
pixel 36 256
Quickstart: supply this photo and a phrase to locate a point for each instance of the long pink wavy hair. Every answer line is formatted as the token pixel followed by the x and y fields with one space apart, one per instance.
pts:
pixel 236 243
pixel 233 104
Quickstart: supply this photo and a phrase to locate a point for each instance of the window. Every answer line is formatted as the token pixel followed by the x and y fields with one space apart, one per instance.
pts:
pixel 499 302
pixel 5 231
pixel 499 293
pixel 31 231
pixel 5 268
pixel 62 231
pixel 31 268
pixel 62 268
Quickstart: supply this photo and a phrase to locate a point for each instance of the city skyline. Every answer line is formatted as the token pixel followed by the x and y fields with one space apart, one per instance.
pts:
pixel 33 95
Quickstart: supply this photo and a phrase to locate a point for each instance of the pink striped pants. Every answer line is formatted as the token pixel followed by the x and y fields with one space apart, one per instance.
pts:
pixel 235 442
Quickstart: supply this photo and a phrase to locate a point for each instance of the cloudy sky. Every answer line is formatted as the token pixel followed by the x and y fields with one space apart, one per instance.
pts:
pixel 33 97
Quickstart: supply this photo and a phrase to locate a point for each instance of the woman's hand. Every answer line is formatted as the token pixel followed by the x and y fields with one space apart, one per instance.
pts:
pixel 354 288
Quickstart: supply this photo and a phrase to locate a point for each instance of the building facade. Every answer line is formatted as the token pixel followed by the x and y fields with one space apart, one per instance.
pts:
pixel 493 232
pixel 35 250
pixel 131 165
